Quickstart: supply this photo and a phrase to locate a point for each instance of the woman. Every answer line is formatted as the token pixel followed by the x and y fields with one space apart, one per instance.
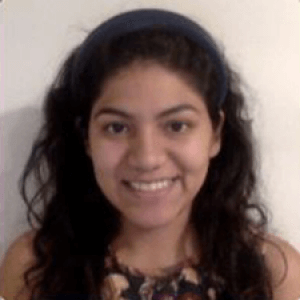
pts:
pixel 146 169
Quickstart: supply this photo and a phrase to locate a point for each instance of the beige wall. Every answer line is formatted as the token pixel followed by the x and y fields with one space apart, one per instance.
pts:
pixel 261 39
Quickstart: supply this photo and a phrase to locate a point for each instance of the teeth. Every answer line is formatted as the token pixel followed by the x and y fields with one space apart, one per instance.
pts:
pixel 153 186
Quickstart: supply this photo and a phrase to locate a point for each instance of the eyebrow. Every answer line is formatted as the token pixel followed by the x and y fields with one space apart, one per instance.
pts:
pixel 177 109
pixel 173 110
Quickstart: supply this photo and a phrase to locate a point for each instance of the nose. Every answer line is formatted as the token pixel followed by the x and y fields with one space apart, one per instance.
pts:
pixel 146 151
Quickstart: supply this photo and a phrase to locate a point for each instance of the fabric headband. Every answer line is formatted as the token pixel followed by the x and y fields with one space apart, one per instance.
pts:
pixel 150 19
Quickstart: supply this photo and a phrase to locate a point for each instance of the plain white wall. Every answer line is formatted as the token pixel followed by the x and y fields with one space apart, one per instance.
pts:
pixel 261 39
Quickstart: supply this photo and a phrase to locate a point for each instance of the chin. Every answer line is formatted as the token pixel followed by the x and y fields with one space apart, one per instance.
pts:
pixel 151 221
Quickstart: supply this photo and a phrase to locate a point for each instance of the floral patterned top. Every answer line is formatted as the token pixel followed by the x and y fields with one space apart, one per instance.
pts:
pixel 180 282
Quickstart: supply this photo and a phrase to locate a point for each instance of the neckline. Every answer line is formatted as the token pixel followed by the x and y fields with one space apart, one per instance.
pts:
pixel 166 272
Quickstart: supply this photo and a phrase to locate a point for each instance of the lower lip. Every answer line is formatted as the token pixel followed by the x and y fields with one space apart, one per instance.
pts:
pixel 152 195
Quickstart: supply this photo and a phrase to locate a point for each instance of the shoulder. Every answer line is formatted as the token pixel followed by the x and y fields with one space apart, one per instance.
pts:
pixel 283 261
pixel 17 259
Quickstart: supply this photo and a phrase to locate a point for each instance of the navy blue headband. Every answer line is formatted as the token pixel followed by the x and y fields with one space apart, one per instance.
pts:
pixel 152 19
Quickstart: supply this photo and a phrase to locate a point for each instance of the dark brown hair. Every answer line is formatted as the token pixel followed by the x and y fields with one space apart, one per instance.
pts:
pixel 72 235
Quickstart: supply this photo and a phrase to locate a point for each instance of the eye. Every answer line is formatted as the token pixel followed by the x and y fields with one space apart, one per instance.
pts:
pixel 177 126
pixel 116 128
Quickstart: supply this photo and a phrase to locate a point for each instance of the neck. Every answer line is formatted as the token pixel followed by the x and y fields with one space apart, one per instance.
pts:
pixel 152 249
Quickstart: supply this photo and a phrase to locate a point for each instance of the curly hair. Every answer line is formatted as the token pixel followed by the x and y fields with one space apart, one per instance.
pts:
pixel 72 235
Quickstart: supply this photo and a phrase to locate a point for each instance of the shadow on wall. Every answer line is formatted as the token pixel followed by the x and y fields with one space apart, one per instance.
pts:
pixel 19 129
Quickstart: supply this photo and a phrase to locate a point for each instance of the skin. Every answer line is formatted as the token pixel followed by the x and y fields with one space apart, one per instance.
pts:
pixel 148 125
pixel 152 228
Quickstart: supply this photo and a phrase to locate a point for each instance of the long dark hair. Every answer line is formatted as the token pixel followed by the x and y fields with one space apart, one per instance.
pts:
pixel 77 223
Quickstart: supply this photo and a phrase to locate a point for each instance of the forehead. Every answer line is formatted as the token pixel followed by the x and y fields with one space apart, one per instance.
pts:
pixel 149 87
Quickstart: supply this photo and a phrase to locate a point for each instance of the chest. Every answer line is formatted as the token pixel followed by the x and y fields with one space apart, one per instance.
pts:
pixel 182 283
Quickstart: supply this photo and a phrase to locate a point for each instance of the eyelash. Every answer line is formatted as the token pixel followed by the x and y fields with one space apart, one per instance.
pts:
pixel 109 127
pixel 186 125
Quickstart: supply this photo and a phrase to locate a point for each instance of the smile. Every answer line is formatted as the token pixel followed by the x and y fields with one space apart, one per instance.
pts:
pixel 151 185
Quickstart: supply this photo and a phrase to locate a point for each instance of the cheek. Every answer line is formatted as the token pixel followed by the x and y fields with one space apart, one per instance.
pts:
pixel 194 155
pixel 106 157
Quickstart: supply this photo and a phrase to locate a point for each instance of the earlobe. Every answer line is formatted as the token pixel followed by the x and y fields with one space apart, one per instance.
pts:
pixel 220 127
pixel 216 147
pixel 217 139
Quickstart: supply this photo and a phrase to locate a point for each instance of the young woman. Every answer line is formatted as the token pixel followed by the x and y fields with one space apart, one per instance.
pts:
pixel 146 169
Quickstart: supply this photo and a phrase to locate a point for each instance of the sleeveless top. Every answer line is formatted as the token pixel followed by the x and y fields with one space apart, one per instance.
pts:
pixel 180 282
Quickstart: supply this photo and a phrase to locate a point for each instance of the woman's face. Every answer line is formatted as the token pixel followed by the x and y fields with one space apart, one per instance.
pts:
pixel 150 140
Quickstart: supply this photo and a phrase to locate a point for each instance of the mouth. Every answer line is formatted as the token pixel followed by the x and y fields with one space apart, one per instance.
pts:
pixel 150 186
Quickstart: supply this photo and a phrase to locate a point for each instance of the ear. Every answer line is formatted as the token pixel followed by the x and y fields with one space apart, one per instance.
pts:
pixel 217 137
